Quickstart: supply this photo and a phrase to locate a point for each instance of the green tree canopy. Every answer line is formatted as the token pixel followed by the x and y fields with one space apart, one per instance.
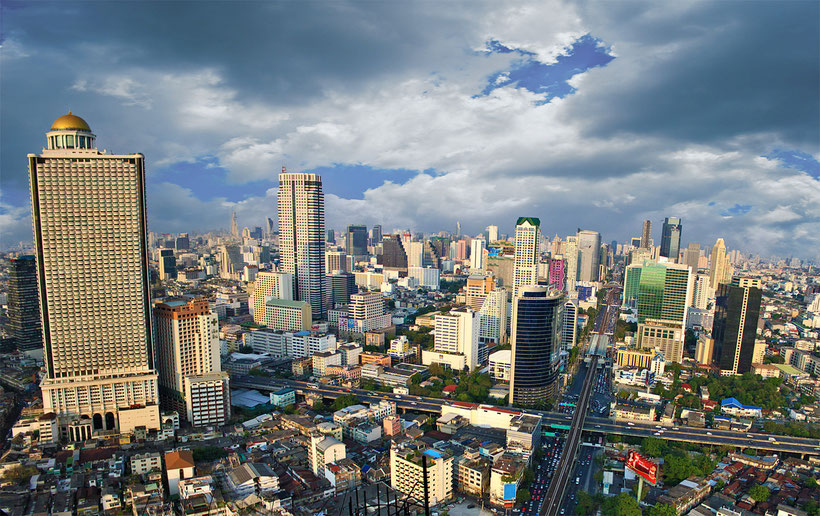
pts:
pixel 662 509
pixel 759 493
pixel 622 505
pixel 344 401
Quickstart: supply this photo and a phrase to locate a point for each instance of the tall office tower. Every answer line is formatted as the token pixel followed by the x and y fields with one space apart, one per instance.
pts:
pixel 167 264
pixel 646 235
pixel 525 267
pixel 394 257
pixel 457 339
pixel 703 292
pixel 415 254
pixel 557 274
pixel 557 246
pixel 25 327
pixel 90 233
pixel 664 295
pixel 536 345
pixel 356 240
pixel 477 288
pixel 302 237
pixel 187 343
pixel 183 243
pixel 270 285
pixel 256 232
pixel 270 227
pixel 234 226
pixel 442 247
pixel 691 256
pixel 430 256
pixel 331 236
pixel 569 327
pixel 571 256
pixel 458 228
pixel 340 285
pixel 493 317
pixel 461 250
pixel 336 261
pixel 720 270
pixel 376 234
pixel 477 255
pixel 492 233
pixel 670 238
pixel 589 253
pixel 231 261
pixel 737 308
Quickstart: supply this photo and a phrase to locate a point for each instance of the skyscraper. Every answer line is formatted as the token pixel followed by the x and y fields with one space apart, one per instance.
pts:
pixel 90 233
pixel 25 327
pixel 376 234
pixel 569 325
pixel 557 273
pixel 691 256
pixel 340 286
pixel 477 254
pixel 536 344
pixel 720 270
pixel 646 234
pixel 492 233
pixel 737 309
pixel 167 264
pixel 670 238
pixel 571 257
pixel 302 237
pixel 356 240
pixel 525 266
pixel 270 227
pixel 393 257
pixel 234 226
pixel 589 251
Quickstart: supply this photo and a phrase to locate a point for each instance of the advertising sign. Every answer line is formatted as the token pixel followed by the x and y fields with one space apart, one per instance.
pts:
pixel 509 492
pixel 643 467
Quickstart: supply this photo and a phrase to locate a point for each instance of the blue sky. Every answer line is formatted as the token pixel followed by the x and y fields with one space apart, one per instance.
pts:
pixel 586 115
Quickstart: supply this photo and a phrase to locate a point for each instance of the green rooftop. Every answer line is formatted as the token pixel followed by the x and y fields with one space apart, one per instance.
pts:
pixel 786 368
pixel 532 220
pixel 287 303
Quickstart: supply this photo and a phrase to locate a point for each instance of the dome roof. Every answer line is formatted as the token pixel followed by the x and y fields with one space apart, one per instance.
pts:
pixel 70 121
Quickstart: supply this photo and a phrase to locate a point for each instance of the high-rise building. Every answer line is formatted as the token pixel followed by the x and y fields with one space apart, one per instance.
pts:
pixel 331 236
pixel 477 288
pixel 571 257
pixel 646 234
pixel 167 264
pixel 406 469
pixel 393 257
pixel 493 318
pixel 234 226
pixel 302 237
pixel 589 254
pixel 737 308
pixel 664 296
pixel 270 227
pixel 415 254
pixel 703 292
pixel 456 343
pixel 25 327
pixel 356 240
pixel 187 343
pixel 270 285
pixel 670 238
pixel 536 345
pixel 569 327
pixel 182 242
pixel 557 273
pixel 336 261
pixel 376 234
pixel 527 240
pixel 720 270
pixel 691 256
pixel 477 255
pixel 90 233
pixel 492 233
pixel 340 286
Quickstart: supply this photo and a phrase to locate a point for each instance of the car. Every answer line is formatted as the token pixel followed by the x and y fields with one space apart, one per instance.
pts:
pixel 413 403
pixel 675 428
pixel 708 433
pixel 471 506
pixel 657 433
pixel 772 439
pixel 597 426
pixel 750 436
pixel 630 423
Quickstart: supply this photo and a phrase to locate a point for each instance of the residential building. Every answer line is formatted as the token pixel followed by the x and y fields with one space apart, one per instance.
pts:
pixel 527 242
pixel 301 205
pixel 350 353
pixel 493 315
pixel 406 470
pixel 325 449
pixel 343 474
pixel 24 326
pixel 365 312
pixel 252 478
pixel 179 465
pixel 323 359
pixel 426 277
pixel 473 475
pixel 737 309
pixel 536 338
pixel 270 285
pixel 207 399
pixel 569 327
pixel 142 463
pixel 477 258
pixel 93 280
pixel 505 476
pixel 500 365
pixel 285 315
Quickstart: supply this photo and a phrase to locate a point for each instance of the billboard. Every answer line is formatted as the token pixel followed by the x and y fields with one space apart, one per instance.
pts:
pixel 509 492
pixel 642 467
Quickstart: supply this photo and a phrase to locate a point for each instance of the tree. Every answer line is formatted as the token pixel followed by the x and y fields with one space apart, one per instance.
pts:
pixel 19 473
pixel 759 493
pixel 290 409
pixel 622 505
pixel 344 401
pixel 810 483
pixel 653 447
pixel 663 509
pixel 208 453
pixel 774 359
pixel 587 504
pixel 523 495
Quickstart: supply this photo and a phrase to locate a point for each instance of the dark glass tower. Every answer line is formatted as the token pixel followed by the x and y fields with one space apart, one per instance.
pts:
pixel 356 240
pixel 737 308
pixel 670 238
pixel 393 253
pixel 339 287
pixel 24 305
pixel 536 343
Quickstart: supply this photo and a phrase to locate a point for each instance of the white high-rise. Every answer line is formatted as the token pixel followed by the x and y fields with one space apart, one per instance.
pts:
pixel 525 265
pixel 302 237
pixel 477 255
pixel 492 233
pixel 571 256
pixel 494 317
pixel 88 211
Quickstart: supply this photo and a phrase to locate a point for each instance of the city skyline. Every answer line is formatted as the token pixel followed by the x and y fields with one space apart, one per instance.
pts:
pixel 530 98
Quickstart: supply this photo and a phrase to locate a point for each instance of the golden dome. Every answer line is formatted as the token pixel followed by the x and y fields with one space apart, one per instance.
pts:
pixel 70 121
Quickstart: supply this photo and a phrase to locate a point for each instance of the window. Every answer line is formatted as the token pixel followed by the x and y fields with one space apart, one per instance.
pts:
pixel 69 141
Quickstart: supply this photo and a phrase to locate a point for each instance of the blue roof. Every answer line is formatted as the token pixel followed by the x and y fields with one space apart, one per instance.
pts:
pixel 433 453
pixel 302 333
pixel 282 392
pixel 733 402
pixel 727 418
pixel 366 468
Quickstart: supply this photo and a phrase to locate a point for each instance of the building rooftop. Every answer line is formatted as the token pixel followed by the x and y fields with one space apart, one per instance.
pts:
pixel 179 459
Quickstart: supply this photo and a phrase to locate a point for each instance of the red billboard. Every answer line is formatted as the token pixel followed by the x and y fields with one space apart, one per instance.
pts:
pixel 642 467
